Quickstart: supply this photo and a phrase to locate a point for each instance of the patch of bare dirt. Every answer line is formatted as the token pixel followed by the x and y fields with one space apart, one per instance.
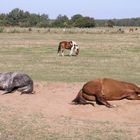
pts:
pixel 49 113
pixel 54 99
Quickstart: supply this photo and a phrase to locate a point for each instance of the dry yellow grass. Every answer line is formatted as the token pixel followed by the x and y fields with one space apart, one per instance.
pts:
pixel 112 55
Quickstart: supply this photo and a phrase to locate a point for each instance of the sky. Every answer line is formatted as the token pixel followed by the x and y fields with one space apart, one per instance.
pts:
pixel 98 9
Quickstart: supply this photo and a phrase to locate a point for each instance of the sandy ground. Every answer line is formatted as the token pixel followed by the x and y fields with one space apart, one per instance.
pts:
pixel 53 100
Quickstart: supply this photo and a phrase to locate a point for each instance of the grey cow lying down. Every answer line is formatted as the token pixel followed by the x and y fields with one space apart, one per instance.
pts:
pixel 11 81
pixel 104 90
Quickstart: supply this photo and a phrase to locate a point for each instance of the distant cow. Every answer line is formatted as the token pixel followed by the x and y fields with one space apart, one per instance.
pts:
pixel 71 45
pixel 11 81
pixel 131 30
pixel 103 90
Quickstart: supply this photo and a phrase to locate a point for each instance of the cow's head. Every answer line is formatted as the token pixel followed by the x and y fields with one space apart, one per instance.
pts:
pixel 76 49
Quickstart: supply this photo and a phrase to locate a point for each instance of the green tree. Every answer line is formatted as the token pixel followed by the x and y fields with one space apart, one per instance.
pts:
pixel 15 16
pixel 76 17
pixel 43 21
pixel 61 21
pixel 3 21
pixel 110 23
pixel 85 22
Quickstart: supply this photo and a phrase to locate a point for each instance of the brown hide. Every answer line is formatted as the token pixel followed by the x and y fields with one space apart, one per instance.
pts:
pixel 103 90
pixel 65 45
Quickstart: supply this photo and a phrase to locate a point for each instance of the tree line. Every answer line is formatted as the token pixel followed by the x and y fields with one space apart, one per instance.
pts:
pixel 18 17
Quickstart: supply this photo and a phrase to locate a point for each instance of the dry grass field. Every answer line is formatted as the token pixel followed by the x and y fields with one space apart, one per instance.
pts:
pixel 48 115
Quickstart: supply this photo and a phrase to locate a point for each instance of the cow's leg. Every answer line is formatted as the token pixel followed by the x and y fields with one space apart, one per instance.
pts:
pixel 133 97
pixel 26 90
pixel 62 52
pixel 71 51
pixel 8 91
pixel 90 103
pixel 84 102
pixel 101 99
pixel 58 53
pixel 81 100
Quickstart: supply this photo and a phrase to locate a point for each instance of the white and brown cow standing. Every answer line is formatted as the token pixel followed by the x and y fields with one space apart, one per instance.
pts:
pixel 71 45
pixel 104 90
pixel 11 81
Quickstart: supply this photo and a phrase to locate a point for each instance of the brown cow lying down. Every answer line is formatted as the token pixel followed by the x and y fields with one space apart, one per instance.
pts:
pixel 11 81
pixel 103 90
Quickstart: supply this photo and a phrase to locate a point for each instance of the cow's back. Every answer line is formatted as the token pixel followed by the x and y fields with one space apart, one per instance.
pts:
pixel 115 90
pixel 92 87
pixel 65 45
pixel 21 79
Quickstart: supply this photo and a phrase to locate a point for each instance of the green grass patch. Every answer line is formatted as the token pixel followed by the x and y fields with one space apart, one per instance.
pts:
pixel 101 55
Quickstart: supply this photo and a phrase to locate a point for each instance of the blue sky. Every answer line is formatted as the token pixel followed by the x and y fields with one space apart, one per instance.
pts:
pixel 98 9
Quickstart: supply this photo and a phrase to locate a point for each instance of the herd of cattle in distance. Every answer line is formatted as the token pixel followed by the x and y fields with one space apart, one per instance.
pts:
pixel 99 90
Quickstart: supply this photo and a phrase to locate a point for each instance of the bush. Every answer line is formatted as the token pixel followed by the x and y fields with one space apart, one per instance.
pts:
pixel 1 29
pixel 14 31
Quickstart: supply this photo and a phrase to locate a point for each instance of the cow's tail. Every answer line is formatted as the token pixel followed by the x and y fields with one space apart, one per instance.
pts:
pixel 81 100
pixel 59 48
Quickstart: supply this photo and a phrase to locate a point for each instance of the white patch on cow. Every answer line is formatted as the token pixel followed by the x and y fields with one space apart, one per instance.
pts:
pixel 74 47
pixel 62 53
pixel 71 51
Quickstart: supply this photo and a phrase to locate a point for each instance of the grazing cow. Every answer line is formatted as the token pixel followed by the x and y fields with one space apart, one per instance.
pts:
pixel 120 30
pixel 11 81
pixel 131 30
pixel 103 90
pixel 71 45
